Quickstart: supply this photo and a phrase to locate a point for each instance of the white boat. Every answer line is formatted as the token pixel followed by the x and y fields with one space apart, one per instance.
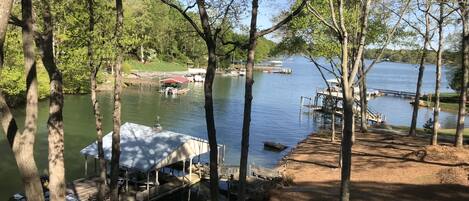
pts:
pixel 199 78
pixel 234 73
pixel 276 63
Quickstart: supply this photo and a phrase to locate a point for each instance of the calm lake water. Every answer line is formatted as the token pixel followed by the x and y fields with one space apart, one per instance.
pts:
pixel 275 114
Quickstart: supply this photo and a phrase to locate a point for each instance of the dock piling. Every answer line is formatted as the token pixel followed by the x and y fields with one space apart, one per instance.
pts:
pixel 86 166
pixel 190 170
pixel 301 102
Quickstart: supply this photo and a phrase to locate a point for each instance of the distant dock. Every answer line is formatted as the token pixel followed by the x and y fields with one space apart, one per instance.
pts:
pixel 402 94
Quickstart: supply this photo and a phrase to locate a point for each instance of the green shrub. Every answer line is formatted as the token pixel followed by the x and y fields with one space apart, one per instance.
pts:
pixel 428 126
pixel 126 68
pixel 13 85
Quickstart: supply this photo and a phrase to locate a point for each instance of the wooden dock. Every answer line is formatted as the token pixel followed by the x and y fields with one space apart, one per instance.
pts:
pixel 266 68
pixel 174 184
pixel 330 102
pixel 402 94
pixel 86 189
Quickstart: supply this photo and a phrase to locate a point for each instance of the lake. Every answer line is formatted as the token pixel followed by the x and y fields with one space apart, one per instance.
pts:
pixel 275 114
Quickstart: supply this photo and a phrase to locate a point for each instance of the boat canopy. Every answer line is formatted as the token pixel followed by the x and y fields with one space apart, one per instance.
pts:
pixel 175 80
pixel 144 148
pixel 333 81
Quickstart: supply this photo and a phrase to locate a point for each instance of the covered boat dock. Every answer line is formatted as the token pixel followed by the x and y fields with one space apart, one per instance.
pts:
pixel 150 162
pixel 174 85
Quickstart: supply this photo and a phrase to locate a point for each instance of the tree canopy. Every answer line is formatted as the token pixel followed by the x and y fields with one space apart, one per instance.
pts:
pixel 153 32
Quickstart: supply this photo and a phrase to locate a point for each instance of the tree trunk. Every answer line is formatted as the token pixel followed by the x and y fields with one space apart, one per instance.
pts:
pixel 363 98
pixel 348 93
pixel 22 144
pixel 23 147
pixel 210 121
pixel 5 9
pixel 142 59
pixel 117 105
pixel 346 150
pixel 96 110
pixel 56 102
pixel 465 65
pixel 439 63
pixel 413 125
pixel 210 40
pixel 347 118
pixel 353 125
pixel 333 125
pixel 99 132
pixel 248 102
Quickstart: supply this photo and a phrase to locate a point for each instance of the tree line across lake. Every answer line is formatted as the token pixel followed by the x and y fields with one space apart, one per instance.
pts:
pixel 153 33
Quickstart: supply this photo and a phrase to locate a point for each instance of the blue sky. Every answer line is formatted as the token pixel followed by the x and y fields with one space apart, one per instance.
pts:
pixel 268 9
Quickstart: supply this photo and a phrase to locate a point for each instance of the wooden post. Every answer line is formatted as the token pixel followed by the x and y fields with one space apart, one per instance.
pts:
pixel 224 151
pixel 148 184
pixel 183 170
pixel 157 183
pixel 126 180
pixel 218 154
pixel 190 170
pixel 86 166
pixel 200 171
pixel 301 102
pixel 105 181
pixel 189 194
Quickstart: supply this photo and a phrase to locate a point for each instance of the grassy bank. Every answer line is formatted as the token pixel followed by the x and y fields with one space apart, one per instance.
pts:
pixel 155 66
pixel 448 101
pixel 442 131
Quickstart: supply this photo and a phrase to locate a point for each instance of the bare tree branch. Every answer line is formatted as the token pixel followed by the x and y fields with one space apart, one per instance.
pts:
pixel 389 37
pixel 225 15
pixel 334 20
pixel 319 67
pixel 361 45
pixel 284 21
pixel 317 64
pixel 312 10
pixel 190 7
pixel 186 16
pixel 14 20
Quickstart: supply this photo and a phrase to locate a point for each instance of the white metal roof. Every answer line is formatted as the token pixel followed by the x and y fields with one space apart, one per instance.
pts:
pixel 144 149
pixel 333 80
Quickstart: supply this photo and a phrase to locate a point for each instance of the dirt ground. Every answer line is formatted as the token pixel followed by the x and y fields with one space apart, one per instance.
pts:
pixel 384 167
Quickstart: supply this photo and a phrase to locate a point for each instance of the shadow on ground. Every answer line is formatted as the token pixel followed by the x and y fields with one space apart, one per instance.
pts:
pixel 374 191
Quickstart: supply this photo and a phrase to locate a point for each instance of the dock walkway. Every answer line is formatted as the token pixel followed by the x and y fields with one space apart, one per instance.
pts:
pixel 87 188
pixel 388 92
pixel 173 185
